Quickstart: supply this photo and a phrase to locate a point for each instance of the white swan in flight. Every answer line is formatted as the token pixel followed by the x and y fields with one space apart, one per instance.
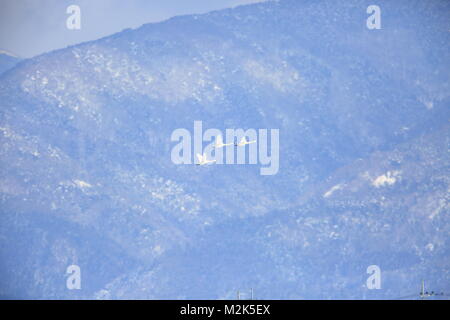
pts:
pixel 244 142
pixel 202 160
pixel 219 143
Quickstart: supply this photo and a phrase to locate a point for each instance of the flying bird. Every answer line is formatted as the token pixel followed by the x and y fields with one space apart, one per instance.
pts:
pixel 202 160
pixel 243 142
pixel 220 144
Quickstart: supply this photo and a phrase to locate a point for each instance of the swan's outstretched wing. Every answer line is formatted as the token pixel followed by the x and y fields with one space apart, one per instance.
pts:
pixel 243 141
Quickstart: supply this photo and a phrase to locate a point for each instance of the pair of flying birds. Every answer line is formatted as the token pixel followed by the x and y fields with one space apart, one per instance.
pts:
pixel 202 160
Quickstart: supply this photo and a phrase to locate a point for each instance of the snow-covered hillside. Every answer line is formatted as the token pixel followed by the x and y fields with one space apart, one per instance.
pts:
pixel 87 178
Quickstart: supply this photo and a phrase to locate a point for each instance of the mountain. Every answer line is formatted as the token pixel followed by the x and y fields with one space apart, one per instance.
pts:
pixel 7 61
pixel 87 176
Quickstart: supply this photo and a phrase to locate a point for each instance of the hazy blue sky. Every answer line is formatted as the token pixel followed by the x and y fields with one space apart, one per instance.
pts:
pixel 31 27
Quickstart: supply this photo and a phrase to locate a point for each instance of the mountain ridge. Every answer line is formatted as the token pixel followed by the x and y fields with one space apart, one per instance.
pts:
pixel 86 147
